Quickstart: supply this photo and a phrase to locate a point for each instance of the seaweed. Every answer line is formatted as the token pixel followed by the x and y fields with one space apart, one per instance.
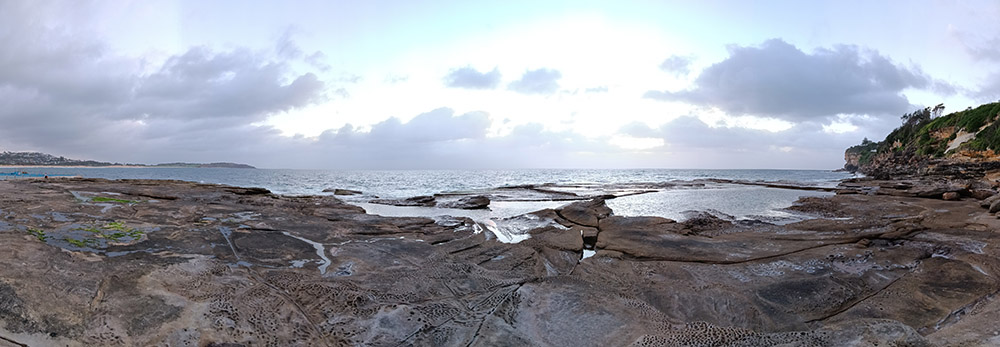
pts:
pixel 106 199
pixel 38 233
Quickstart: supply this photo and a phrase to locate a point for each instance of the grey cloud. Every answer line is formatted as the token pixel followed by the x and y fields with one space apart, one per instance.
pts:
pixel 470 78
pixel 286 47
pixel 990 90
pixel 65 93
pixel 540 81
pixel 987 51
pixel 393 79
pixel 978 46
pixel 678 65
pixel 436 125
pixel 318 60
pixel 778 80
pixel 698 145
pixel 204 84
pixel 440 139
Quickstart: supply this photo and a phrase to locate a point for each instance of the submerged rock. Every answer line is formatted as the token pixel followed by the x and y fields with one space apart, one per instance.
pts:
pixel 338 191
pixel 423 200
pixel 476 202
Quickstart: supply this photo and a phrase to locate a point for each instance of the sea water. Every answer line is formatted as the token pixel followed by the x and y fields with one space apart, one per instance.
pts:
pixel 738 201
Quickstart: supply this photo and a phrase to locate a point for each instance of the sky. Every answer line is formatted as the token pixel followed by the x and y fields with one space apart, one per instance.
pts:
pixel 484 85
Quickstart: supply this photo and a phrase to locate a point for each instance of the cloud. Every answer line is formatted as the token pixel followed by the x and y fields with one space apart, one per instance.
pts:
pixel 470 78
pixel 540 81
pixel 64 92
pixel 990 90
pixel 696 144
pixel 678 65
pixel 778 80
pixel 203 84
pixel 441 139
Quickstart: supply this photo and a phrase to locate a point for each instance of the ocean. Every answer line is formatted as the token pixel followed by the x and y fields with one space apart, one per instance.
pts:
pixel 734 201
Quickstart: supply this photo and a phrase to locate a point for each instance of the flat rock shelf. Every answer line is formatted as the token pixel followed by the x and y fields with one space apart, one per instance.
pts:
pixel 92 262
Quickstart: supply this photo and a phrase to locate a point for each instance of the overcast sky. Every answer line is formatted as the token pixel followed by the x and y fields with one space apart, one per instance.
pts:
pixel 462 84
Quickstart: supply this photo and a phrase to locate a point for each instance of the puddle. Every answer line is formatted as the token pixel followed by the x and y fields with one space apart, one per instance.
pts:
pixel 320 251
pixel 59 217
pixel 226 232
pixel 94 238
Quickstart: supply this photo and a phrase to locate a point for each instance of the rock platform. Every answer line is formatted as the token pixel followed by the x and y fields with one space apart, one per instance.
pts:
pixel 86 262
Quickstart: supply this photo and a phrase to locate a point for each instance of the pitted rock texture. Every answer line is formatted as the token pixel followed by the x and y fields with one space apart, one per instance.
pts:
pixel 186 264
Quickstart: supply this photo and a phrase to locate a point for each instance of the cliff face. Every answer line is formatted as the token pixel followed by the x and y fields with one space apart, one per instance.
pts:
pixel 965 143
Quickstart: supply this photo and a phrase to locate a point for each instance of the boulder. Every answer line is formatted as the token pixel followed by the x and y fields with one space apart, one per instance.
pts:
pixel 700 221
pixel 986 203
pixel 477 202
pixel 586 213
pixel 338 191
pixel 568 240
pixel 951 196
pixel 995 206
pixel 936 190
pixel 982 194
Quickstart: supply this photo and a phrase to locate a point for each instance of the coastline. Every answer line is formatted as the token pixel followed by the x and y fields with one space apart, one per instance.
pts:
pixel 70 166
pixel 111 166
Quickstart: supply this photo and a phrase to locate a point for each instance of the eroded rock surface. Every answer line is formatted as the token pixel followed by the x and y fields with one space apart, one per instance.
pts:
pixel 96 262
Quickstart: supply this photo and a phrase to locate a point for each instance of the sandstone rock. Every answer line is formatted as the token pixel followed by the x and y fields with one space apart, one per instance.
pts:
pixel 986 203
pixel 216 267
pixel 477 202
pixel 951 196
pixel 703 221
pixel 338 191
pixel 586 213
pixel 982 194
pixel 424 200
pixel 569 240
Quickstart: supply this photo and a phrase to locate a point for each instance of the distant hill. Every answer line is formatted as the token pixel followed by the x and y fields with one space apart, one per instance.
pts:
pixel 42 159
pixel 966 141
pixel 209 165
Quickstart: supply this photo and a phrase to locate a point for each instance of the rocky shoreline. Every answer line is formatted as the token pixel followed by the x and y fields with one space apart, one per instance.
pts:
pixel 139 262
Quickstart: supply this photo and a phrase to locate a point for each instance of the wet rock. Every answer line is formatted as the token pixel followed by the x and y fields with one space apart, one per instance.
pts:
pixel 982 194
pixel 986 203
pixel 561 239
pixel 338 191
pixel 423 200
pixel 586 213
pixel 950 196
pixel 700 221
pixel 477 202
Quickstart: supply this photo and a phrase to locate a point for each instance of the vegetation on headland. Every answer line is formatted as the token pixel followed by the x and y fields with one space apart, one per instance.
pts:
pixel 42 159
pixel 926 134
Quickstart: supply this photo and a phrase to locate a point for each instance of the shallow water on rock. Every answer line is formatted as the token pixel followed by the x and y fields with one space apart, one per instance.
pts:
pixel 740 202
